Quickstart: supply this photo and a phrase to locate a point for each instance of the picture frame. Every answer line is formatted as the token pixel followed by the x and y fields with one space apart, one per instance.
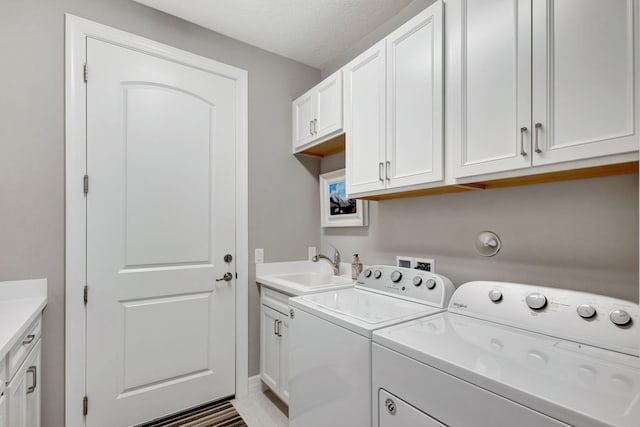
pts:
pixel 337 210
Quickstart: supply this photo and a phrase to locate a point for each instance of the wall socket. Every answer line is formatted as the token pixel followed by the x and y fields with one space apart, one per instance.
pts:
pixel 426 264
pixel 259 255
pixel 313 251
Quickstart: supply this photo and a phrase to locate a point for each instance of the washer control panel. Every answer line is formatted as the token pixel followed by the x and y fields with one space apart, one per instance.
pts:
pixel 585 318
pixel 415 285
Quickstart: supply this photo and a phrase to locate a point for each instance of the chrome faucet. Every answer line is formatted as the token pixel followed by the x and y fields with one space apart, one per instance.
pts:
pixel 335 263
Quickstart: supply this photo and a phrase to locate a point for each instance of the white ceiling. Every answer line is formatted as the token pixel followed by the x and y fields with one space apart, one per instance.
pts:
pixel 309 31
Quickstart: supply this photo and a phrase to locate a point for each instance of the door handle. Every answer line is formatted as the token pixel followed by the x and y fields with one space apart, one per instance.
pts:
pixel 275 327
pixel 380 167
pixel 278 322
pixel 537 149
pixel 523 130
pixel 315 126
pixel 227 277
pixel 33 370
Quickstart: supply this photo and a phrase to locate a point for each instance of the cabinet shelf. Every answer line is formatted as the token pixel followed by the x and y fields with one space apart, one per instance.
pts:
pixel 327 148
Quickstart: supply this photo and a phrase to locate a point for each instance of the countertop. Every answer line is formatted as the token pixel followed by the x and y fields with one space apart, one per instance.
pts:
pixel 20 304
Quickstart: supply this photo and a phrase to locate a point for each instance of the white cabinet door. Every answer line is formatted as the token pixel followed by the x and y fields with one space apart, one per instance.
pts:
pixel 4 421
pixel 414 146
pixel 303 116
pixel 489 43
pixel 328 103
pixel 365 101
pixel 33 400
pixel 269 348
pixel 284 358
pixel 584 87
pixel 24 393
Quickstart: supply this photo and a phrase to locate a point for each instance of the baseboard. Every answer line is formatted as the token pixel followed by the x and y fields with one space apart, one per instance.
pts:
pixel 255 385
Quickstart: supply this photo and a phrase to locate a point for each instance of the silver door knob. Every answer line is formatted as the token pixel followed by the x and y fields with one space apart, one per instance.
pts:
pixel 227 277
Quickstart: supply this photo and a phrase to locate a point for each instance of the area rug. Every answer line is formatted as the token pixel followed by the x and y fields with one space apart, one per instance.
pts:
pixel 219 415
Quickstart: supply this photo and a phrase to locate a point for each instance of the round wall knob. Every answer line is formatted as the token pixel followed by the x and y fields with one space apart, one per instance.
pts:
pixel 377 274
pixel 620 317
pixel 367 273
pixel 536 301
pixel 396 276
pixel 430 284
pixel 586 311
pixel 417 281
pixel 495 295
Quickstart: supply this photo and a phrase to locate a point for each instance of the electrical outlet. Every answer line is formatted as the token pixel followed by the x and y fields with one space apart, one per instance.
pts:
pixel 259 255
pixel 426 264
pixel 313 251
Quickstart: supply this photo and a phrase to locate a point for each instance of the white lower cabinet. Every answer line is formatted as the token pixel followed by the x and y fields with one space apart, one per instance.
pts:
pixel 274 343
pixel 4 422
pixel 24 392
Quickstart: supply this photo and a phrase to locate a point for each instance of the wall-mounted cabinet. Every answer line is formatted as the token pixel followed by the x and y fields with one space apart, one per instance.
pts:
pixel 539 83
pixel 317 115
pixel 393 108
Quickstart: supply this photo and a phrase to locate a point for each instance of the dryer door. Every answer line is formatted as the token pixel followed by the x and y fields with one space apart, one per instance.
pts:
pixel 394 412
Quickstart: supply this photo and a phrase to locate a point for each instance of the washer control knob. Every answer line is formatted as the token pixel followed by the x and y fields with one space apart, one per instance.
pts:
pixel 396 276
pixel 417 281
pixel 377 274
pixel 430 284
pixel 495 295
pixel 536 301
pixel 367 273
pixel 586 311
pixel 620 317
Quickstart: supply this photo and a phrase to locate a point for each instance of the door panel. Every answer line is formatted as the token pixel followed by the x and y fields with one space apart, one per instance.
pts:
pixel 584 83
pixel 302 117
pixel 161 216
pixel 414 100
pixel 365 101
pixel 284 358
pixel 329 105
pixel 269 348
pixel 495 86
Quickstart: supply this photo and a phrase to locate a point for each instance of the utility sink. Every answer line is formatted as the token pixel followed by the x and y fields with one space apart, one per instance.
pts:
pixel 314 279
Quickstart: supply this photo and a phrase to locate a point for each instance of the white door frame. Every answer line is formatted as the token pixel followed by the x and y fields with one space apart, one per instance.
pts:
pixel 77 30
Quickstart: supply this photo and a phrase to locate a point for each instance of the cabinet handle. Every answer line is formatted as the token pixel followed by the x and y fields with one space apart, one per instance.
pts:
pixel 33 370
pixel 310 127
pixel 523 130
pixel 387 169
pixel 315 126
pixel 29 339
pixel 380 166
pixel 538 126
pixel 275 327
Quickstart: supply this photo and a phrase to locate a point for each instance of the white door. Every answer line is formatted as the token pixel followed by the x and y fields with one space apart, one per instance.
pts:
pixel 490 42
pixel 584 87
pixel 364 104
pixel 269 348
pixel 303 125
pixel 328 96
pixel 160 218
pixel 414 100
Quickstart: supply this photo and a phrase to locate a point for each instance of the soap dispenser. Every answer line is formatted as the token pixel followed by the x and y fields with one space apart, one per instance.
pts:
pixel 356 267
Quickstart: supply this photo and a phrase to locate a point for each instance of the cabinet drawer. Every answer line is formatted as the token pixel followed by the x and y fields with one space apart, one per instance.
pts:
pixel 275 300
pixel 20 351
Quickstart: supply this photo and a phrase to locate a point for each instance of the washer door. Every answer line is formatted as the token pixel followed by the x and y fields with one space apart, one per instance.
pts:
pixel 394 412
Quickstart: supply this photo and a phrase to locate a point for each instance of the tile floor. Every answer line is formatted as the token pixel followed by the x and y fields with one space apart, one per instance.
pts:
pixel 262 409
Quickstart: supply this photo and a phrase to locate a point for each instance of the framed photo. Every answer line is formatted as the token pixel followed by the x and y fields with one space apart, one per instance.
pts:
pixel 338 210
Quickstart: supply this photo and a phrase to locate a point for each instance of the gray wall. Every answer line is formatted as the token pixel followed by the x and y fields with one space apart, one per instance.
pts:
pixel 32 152
pixel 580 235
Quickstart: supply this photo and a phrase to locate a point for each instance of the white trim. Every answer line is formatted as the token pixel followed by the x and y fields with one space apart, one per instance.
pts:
pixel 77 30
pixel 256 386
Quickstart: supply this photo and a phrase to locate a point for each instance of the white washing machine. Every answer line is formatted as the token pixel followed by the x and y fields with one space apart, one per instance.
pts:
pixel 330 341
pixel 511 355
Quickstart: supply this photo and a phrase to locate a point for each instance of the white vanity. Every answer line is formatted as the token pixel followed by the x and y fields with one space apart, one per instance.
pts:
pixel 21 305
pixel 279 281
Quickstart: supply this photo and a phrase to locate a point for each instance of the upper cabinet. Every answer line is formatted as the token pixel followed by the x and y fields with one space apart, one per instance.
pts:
pixel 393 108
pixel 539 83
pixel 317 115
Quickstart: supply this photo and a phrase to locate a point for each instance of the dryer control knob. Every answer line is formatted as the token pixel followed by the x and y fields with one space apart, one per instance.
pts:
pixel 620 317
pixel 430 284
pixel 536 301
pixel 377 274
pixel 495 295
pixel 396 276
pixel 417 281
pixel 367 273
pixel 586 311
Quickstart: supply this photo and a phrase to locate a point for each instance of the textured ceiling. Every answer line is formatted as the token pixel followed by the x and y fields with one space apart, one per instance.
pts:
pixel 309 31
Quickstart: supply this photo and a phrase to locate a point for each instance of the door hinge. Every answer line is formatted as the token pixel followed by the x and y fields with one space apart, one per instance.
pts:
pixel 86 294
pixel 86 73
pixel 86 184
pixel 236 275
pixel 85 406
